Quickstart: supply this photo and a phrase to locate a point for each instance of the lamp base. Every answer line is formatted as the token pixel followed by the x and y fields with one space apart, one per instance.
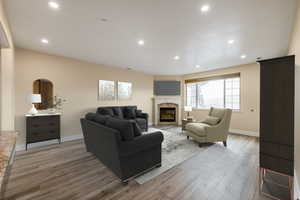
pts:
pixel 33 110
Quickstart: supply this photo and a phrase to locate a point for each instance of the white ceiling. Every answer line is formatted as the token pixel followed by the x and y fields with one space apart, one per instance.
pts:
pixel 260 28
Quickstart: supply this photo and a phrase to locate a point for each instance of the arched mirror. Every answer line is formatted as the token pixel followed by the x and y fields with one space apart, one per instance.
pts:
pixel 45 88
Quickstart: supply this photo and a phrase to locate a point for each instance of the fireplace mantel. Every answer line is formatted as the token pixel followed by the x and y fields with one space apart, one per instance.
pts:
pixel 165 100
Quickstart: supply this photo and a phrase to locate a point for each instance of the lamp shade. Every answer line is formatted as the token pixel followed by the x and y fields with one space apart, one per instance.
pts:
pixel 35 98
pixel 188 108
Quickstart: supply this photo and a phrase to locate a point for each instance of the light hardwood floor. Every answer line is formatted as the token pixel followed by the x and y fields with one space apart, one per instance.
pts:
pixel 67 172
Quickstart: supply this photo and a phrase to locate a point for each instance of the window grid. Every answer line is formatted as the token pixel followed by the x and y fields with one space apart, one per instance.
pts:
pixel 230 97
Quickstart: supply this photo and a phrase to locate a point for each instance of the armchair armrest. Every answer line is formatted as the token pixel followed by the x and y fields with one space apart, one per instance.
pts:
pixel 141 143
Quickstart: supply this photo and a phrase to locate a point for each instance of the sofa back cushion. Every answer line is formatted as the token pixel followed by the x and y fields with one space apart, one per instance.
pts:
pixel 123 126
pixel 130 112
pixel 106 111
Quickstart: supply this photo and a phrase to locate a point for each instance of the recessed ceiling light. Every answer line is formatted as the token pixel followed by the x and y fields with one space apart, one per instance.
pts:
pixel 197 66
pixel 141 42
pixel 231 41
pixel 176 58
pixel 45 41
pixel 53 4
pixel 104 19
pixel 205 8
pixel 243 56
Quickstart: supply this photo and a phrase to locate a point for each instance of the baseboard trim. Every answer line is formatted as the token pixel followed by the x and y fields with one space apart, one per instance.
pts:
pixel 22 147
pixel 243 132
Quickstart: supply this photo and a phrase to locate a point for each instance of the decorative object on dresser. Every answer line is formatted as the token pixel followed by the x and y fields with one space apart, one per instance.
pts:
pixel 277 91
pixel 42 127
pixel 34 98
pixel 185 122
pixel 188 109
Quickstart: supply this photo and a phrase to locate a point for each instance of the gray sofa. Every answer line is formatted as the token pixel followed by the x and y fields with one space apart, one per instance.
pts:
pixel 128 113
pixel 120 146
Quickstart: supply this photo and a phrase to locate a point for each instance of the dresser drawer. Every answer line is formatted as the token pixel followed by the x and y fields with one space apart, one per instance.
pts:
pixel 47 134
pixel 44 121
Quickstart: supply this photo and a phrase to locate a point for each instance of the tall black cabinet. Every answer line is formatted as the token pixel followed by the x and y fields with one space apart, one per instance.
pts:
pixel 277 91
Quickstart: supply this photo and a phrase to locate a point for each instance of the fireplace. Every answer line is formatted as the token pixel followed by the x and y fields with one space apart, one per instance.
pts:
pixel 167 114
pixel 170 106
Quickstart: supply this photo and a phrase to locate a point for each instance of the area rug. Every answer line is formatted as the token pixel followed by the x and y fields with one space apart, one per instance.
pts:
pixel 175 150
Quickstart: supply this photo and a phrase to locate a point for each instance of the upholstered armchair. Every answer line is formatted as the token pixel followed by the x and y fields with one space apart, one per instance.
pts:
pixel 214 128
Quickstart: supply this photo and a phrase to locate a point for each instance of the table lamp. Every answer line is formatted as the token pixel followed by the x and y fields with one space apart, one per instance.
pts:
pixel 188 109
pixel 34 98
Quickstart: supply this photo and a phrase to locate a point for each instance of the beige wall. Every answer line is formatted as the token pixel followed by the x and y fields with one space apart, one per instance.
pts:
pixel 7 106
pixel 75 81
pixel 295 49
pixel 245 120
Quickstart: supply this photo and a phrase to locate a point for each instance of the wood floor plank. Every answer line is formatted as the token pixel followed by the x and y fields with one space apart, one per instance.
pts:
pixel 68 172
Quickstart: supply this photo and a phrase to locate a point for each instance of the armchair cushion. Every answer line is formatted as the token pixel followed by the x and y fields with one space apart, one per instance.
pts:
pixel 217 112
pixel 197 128
pixel 210 120
pixel 123 126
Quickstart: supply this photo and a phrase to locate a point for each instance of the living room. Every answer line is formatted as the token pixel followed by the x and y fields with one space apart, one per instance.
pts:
pixel 173 80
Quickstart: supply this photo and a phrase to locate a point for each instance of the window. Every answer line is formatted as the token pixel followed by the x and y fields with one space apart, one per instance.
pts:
pixel 222 92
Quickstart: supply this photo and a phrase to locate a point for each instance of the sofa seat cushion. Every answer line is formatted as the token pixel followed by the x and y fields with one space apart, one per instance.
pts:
pixel 123 126
pixel 130 113
pixel 197 128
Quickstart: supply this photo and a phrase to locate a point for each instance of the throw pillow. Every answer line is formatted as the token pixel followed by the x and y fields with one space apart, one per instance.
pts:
pixel 107 111
pixel 118 113
pixel 137 131
pixel 101 119
pixel 130 113
pixel 210 120
pixel 90 116
pixel 123 126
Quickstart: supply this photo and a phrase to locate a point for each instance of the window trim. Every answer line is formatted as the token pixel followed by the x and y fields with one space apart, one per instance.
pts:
pixel 224 77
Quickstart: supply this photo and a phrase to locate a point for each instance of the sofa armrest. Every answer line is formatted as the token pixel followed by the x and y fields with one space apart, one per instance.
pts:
pixel 142 115
pixel 141 143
